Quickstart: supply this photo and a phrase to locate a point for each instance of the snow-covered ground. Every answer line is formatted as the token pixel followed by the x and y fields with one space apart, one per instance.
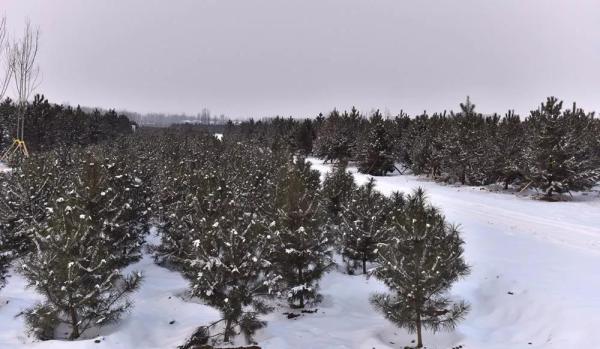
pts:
pixel 547 255
pixel 3 167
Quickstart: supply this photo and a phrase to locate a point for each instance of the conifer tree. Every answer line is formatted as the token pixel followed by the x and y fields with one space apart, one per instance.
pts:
pixel 305 136
pixel 419 263
pixel 25 193
pixel 375 155
pixel 560 157
pixel 217 232
pixel 510 145
pixel 337 136
pixel 301 246
pixel 465 140
pixel 425 144
pixel 362 228
pixel 73 269
pixel 223 248
pixel 338 187
pixel 109 197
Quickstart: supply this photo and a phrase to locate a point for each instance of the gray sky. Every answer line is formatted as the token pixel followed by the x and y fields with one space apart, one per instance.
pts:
pixel 300 57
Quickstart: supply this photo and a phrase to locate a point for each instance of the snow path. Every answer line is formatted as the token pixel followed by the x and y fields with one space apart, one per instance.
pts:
pixel 546 254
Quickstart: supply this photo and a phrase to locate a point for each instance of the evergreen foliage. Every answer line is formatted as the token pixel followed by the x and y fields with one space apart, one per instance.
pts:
pixel 362 228
pixel 465 147
pixel 73 267
pixel 560 156
pixel 50 126
pixel 376 154
pixel 338 187
pixel 302 251
pixel 419 263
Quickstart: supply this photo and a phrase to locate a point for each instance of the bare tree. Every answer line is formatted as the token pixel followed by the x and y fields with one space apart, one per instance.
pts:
pixel 24 72
pixel 5 70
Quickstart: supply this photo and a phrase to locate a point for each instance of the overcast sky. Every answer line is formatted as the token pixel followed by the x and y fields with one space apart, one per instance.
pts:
pixel 299 57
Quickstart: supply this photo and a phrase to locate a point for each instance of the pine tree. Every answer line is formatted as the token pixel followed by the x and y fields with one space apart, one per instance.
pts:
pixel 560 156
pixel 419 264
pixel 376 152
pixel 109 197
pixel 464 152
pixel 424 143
pixel 338 187
pixel 510 144
pixel 225 252
pixel 73 269
pixel 305 135
pixel 24 195
pixel 217 232
pixel 337 136
pixel 302 248
pixel 362 228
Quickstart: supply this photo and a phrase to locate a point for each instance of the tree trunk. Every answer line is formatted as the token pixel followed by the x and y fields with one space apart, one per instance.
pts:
pixel 74 324
pixel 364 262
pixel 300 282
pixel 419 335
pixel 227 333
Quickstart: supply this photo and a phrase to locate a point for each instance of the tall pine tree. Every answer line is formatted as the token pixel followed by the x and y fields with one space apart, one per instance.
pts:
pixel 302 247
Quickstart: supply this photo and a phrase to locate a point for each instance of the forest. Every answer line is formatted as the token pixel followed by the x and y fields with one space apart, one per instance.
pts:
pixel 247 221
pixel 554 149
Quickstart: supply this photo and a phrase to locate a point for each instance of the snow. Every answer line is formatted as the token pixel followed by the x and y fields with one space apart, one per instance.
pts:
pixel 4 167
pixel 219 136
pixel 546 254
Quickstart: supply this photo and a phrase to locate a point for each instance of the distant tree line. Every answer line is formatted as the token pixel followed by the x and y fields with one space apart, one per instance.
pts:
pixel 49 125
pixel 554 149
pixel 205 117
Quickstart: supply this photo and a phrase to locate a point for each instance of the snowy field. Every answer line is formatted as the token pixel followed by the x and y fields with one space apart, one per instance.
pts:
pixel 534 284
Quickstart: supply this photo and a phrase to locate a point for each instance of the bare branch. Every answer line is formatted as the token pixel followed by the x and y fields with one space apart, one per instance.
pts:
pixel 22 61
pixel 5 70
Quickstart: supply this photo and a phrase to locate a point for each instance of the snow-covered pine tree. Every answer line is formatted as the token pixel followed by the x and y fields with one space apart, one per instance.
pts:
pixel 510 143
pixel 108 195
pixel 362 227
pixel 226 255
pixel 376 152
pixel 560 157
pixel 424 143
pixel 338 187
pixel 24 195
pixel 337 136
pixel 301 246
pixel 218 235
pixel 419 263
pixel 465 157
pixel 73 269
